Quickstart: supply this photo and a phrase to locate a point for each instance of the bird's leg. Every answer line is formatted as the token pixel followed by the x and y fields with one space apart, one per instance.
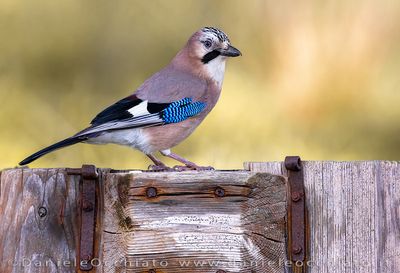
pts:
pixel 158 165
pixel 188 164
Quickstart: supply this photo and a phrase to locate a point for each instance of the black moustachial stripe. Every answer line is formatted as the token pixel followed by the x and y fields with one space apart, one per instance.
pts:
pixel 210 56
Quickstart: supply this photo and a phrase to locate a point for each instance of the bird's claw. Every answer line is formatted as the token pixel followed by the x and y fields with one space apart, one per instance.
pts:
pixel 160 168
pixel 179 168
pixel 192 168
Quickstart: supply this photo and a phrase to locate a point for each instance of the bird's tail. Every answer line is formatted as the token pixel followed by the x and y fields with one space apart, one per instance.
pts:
pixel 58 145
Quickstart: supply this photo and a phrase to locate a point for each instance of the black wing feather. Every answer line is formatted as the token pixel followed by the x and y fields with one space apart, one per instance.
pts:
pixel 117 111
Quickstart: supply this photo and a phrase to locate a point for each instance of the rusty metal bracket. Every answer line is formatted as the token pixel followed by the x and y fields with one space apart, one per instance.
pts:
pixel 88 214
pixel 297 247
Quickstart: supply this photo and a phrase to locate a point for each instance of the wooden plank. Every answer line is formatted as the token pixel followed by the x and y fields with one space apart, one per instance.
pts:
pixel 38 216
pixel 387 218
pixel 187 228
pixel 354 213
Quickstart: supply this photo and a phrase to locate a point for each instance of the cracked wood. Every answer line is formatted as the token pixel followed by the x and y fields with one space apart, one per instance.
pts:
pixel 190 225
pixel 38 216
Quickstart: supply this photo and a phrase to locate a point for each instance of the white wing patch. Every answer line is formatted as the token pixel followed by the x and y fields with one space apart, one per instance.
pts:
pixel 140 109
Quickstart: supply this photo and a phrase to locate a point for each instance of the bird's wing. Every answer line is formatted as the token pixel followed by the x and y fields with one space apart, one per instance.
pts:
pixel 169 96
pixel 127 108
pixel 164 87
pixel 132 112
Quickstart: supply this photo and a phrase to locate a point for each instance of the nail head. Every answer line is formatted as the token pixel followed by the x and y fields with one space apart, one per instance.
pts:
pixel 42 211
pixel 220 192
pixel 297 249
pixel 87 205
pixel 296 196
pixel 151 192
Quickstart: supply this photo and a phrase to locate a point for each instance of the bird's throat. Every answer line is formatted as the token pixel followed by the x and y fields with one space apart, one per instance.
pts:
pixel 216 70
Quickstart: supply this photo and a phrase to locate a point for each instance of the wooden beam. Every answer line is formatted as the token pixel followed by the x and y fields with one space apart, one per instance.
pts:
pixel 194 222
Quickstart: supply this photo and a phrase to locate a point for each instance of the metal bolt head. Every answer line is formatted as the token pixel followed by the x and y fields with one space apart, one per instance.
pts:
pixel 297 249
pixel 151 192
pixel 87 205
pixel 220 192
pixel 296 196
pixel 86 258
pixel 221 271
pixel 42 211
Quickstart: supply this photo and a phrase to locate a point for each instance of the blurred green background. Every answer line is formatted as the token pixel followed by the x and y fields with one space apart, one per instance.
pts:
pixel 319 79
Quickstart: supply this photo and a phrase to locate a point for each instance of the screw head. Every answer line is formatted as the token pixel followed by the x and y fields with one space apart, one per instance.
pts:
pixel 42 211
pixel 220 192
pixel 297 249
pixel 87 205
pixel 221 271
pixel 152 270
pixel 86 258
pixel 151 192
pixel 296 196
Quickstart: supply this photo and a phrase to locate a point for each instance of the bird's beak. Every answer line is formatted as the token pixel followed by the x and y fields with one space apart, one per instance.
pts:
pixel 230 51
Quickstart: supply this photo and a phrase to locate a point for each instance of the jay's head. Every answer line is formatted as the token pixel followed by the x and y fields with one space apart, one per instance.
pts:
pixel 211 44
pixel 208 50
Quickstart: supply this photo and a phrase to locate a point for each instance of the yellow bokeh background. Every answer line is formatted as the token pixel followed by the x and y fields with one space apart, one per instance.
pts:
pixel 319 79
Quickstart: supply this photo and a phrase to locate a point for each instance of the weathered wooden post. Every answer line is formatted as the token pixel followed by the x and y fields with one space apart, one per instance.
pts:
pixel 54 220
pixel 354 214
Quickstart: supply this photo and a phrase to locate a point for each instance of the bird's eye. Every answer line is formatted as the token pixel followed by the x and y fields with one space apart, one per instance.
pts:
pixel 207 43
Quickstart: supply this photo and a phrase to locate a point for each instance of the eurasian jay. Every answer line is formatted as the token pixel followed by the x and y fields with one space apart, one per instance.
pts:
pixel 167 107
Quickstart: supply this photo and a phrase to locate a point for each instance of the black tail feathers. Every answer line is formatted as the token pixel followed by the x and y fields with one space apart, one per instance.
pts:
pixel 58 145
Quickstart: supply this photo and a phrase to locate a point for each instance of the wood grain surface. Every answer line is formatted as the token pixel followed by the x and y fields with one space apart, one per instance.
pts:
pixel 187 227
pixel 39 221
pixel 354 213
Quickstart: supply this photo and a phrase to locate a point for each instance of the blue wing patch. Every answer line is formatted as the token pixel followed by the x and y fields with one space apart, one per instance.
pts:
pixel 180 110
pixel 118 117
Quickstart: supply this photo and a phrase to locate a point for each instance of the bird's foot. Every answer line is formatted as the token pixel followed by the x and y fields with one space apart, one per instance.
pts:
pixel 180 168
pixel 160 168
